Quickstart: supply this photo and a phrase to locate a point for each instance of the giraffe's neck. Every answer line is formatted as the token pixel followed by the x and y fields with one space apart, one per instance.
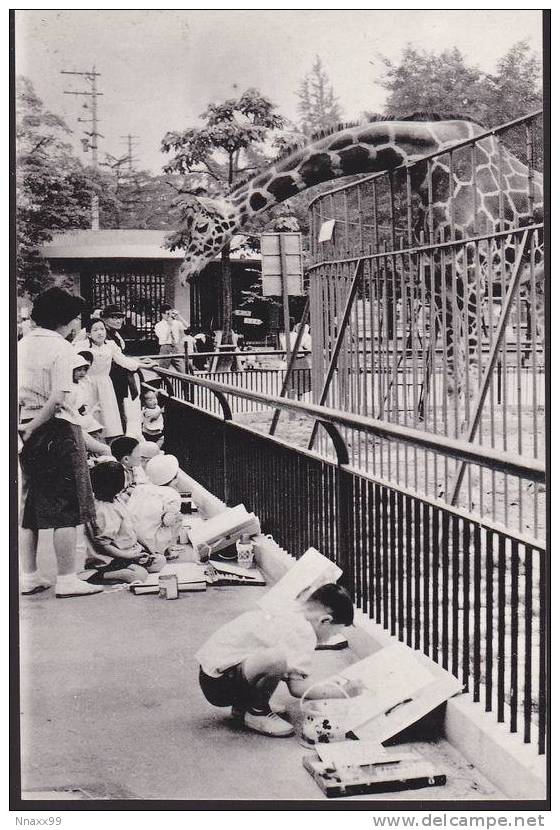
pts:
pixel 369 148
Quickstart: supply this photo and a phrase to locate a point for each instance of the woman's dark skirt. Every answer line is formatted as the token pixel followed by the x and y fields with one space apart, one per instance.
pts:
pixel 56 489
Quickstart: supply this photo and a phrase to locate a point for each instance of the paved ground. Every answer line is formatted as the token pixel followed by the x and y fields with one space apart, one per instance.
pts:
pixel 111 707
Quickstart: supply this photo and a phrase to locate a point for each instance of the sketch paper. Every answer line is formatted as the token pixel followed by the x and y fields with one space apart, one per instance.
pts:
pixel 306 575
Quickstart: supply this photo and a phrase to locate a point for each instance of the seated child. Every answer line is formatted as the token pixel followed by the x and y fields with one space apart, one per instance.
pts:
pixel 209 504
pixel 126 450
pixel 244 661
pixel 115 551
pixel 156 506
pixel 152 418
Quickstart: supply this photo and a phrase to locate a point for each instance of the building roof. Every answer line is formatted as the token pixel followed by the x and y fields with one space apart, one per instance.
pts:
pixel 123 244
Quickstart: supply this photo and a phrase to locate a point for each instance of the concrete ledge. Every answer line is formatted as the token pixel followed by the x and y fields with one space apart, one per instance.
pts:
pixel 516 768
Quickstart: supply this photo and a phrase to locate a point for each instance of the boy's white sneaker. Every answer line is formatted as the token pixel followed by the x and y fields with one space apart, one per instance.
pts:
pixel 34 583
pixel 268 724
pixel 72 586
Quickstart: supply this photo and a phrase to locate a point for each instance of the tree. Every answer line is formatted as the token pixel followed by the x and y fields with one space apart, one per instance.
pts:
pixel 53 191
pixel 212 158
pixel 515 89
pixel 445 83
pixel 318 105
pixel 140 199
pixel 428 82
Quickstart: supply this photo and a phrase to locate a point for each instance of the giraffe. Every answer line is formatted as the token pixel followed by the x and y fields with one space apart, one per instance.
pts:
pixel 498 195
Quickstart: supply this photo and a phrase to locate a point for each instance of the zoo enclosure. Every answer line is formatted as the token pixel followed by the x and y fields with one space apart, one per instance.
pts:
pixel 470 594
pixel 381 288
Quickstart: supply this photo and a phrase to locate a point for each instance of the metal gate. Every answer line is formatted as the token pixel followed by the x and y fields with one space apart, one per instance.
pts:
pixel 138 293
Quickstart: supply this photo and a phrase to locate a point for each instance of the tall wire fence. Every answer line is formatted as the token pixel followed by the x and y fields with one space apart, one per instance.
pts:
pixel 427 311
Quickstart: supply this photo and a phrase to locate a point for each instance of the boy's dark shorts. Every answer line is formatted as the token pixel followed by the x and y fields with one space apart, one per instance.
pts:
pixel 229 689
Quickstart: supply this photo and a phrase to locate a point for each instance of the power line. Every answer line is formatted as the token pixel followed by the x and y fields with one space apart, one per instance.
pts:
pixel 129 140
pixel 93 134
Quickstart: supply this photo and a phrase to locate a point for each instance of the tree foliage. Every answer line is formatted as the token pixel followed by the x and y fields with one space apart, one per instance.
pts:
pixel 141 200
pixel 224 147
pixel 229 146
pixel 52 188
pixel 446 83
pixel 318 106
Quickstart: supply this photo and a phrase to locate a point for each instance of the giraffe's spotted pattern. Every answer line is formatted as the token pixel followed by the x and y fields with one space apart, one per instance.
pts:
pixel 501 195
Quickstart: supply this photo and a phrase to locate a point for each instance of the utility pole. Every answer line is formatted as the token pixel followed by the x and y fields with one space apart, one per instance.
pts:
pixel 129 140
pixel 93 94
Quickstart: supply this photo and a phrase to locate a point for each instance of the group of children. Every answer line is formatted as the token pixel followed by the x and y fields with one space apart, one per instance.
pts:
pixel 138 511
pixel 137 491
pixel 152 412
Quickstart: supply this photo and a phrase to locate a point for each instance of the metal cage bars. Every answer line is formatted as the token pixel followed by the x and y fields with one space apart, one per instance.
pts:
pixel 395 360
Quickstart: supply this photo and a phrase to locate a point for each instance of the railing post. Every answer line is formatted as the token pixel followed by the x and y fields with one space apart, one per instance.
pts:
pixel 339 342
pixel 345 528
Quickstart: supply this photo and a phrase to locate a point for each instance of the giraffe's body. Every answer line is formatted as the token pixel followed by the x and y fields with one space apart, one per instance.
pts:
pixel 503 196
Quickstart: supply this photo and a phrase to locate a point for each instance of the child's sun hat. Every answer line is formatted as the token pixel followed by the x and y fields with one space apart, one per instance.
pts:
pixel 148 449
pixel 162 469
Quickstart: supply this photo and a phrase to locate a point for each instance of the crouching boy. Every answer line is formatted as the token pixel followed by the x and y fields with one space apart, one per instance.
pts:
pixel 244 661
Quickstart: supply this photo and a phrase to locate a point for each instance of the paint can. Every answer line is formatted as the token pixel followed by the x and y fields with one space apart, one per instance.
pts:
pixel 168 586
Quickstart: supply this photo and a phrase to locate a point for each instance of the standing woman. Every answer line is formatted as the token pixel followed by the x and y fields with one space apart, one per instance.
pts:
pixel 105 353
pixel 56 490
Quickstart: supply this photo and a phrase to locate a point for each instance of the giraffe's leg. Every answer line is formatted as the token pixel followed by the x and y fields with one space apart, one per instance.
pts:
pixel 474 366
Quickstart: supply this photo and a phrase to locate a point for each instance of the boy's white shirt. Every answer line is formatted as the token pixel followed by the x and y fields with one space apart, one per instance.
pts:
pixel 114 524
pixel 257 630
pixel 147 505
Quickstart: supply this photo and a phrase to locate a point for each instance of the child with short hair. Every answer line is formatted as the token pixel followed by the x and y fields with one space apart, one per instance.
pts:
pixel 152 418
pixel 115 551
pixel 126 450
pixel 156 505
pixel 244 661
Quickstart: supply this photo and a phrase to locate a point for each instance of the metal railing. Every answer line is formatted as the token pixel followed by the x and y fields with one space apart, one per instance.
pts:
pixel 467 592
pixel 435 315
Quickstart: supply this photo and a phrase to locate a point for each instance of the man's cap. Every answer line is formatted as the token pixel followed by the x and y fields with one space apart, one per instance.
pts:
pixel 149 449
pixel 112 311
pixel 162 469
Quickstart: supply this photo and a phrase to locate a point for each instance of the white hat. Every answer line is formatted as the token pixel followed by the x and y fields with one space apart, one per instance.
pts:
pixel 90 424
pixel 80 361
pixel 149 449
pixel 162 469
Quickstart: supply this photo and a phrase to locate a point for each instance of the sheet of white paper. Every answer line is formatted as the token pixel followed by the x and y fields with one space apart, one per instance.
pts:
pixel 393 677
pixel 233 520
pixel 306 575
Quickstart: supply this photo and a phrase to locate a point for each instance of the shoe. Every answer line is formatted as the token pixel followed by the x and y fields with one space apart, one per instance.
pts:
pixel 73 586
pixel 34 583
pixel 268 724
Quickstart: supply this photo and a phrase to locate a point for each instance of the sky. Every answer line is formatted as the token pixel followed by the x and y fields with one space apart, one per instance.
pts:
pixel 160 68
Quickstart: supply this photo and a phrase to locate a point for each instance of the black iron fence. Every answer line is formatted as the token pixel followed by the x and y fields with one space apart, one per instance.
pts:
pixel 468 593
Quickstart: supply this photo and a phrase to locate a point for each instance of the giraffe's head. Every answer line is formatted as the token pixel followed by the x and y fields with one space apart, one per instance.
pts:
pixel 207 225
